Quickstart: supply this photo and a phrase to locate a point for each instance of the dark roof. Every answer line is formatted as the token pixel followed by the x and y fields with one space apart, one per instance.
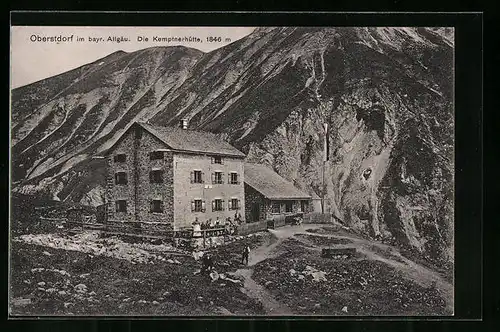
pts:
pixel 192 141
pixel 271 184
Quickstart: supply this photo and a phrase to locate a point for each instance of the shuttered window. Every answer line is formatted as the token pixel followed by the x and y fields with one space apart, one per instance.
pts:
pixel 234 204
pixel 217 178
pixel 197 205
pixel 197 177
pixel 233 178
pixel 217 205
pixel 121 178
pixel 121 206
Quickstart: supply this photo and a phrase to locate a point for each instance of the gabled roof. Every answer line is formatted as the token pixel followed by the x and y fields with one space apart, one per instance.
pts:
pixel 192 141
pixel 271 184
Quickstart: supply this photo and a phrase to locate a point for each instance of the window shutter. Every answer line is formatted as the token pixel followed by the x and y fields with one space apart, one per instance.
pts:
pixel 239 205
pixel 203 206
pixel 151 206
pixel 192 206
pixel 161 206
pixel 223 202
pixel 116 178
pixel 212 159
pixel 192 177
pixel 213 205
pixel 221 178
pixel 202 177
pixel 230 204
pixel 213 178
pixel 116 206
pixel 221 161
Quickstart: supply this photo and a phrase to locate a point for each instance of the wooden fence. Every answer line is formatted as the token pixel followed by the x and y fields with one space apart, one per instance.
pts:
pixel 253 227
pixel 277 221
pixel 148 229
pixel 317 218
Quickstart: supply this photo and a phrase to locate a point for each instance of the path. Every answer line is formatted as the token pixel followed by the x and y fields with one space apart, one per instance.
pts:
pixel 409 269
pixel 252 288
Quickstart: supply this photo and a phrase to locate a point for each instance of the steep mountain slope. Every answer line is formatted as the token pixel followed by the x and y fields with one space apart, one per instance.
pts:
pixel 386 93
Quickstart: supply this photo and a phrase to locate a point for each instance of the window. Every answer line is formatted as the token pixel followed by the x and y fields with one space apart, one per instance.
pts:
pixel 156 176
pixel 233 178
pixel 197 205
pixel 156 205
pixel 303 206
pixel 289 206
pixel 234 204
pixel 196 177
pixel 217 178
pixel 121 206
pixel 156 155
pixel 217 160
pixel 217 205
pixel 121 178
pixel 120 158
pixel 276 207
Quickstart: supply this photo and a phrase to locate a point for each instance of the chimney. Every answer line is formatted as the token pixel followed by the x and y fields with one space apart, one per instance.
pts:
pixel 184 123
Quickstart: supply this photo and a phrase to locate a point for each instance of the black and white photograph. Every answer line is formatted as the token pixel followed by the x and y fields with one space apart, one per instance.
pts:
pixel 232 171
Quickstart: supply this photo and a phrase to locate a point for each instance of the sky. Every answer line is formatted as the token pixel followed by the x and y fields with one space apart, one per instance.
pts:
pixel 33 59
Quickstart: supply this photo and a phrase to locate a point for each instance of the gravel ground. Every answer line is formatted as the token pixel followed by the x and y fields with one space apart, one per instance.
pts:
pixel 352 286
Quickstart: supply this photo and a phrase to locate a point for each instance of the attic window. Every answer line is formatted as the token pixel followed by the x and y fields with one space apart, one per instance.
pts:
pixel 138 132
pixel 156 155
pixel 120 158
pixel 217 160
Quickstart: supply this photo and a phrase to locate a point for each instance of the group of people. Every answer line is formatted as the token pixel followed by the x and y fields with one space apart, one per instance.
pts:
pixel 217 223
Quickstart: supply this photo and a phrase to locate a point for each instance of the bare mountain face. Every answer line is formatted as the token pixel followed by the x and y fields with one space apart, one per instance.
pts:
pixel 386 94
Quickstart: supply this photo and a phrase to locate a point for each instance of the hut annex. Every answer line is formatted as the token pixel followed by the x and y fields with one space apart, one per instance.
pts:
pixel 268 196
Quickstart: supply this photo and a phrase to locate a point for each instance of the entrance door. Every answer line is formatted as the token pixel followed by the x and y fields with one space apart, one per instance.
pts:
pixel 255 212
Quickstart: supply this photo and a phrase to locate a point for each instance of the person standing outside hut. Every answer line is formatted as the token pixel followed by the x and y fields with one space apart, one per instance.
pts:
pixel 237 218
pixel 244 255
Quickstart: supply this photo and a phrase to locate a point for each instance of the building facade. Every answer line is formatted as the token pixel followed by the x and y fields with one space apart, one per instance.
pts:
pixel 268 196
pixel 173 176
